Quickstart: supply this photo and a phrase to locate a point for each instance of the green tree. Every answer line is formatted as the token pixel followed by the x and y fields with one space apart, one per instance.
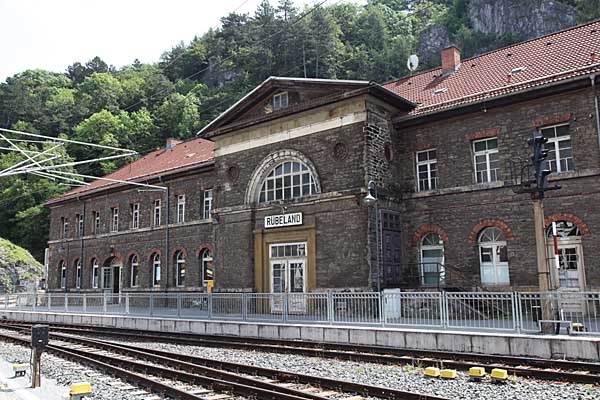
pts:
pixel 101 91
pixel 178 116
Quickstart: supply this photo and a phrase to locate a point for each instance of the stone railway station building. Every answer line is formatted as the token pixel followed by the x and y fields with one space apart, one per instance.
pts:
pixel 269 196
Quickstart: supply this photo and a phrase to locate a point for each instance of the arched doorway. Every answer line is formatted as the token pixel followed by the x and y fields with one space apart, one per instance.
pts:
pixel 111 275
pixel 571 271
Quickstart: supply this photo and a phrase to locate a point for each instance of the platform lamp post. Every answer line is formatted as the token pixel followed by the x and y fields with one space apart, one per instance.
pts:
pixel 372 200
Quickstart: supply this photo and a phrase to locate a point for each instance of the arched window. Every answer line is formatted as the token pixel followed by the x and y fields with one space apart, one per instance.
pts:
pixel 206 265
pixel 180 268
pixel 155 259
pixel 134 269
pixel 493 257
pixel 432 259
pixel 95 273
pixel 287 180
pixel 78 274
pixel 63 274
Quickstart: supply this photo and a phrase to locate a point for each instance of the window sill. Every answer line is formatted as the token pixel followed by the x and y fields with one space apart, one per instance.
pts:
pixel 459 189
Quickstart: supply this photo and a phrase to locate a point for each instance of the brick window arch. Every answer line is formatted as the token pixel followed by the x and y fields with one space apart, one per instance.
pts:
pixel 424 230
pixel 486 223
pixel 580 223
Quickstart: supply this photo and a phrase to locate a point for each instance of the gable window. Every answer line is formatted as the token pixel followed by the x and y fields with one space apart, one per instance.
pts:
pixel 288 180
pixel 486 160
pixel 134 268
pixel 114 226
pixel 95 273
pixel 78 274
pixel 493 257
pixel 155 259
pixel 206 263
pixel 432 259
pixel 280 100
pixel 135 216
pixel 180 268
pixel 427 177
pixel 63 275
pixel 560 154
pixel 157 212
pixel 96 225
pixel 79 222
pixel 207 208
pixel 181 208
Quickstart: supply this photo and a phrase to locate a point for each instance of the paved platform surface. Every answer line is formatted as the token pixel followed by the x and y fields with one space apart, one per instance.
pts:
pixel 580 347
pixel 12 388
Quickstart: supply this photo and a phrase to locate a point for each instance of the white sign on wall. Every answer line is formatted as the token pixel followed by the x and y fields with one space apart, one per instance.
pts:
pixel 277 221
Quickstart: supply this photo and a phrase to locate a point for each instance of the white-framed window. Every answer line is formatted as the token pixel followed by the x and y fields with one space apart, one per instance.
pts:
pixel 79 222
pixel 96 215
pixel 280 100
pixel 208 201
pixel 493 257
pixel 114 225
pixel 432 259
pixel 427 174
pixel 157 212
pixel 206 263
pixel 135 216
pixel 180 268
pixel 155 259
pixel 485 154
pixel 63 274
pixel 560 154
pixel 78 274
pixel 181 209
pixel 135 270
pixel 65 227
pixel 288 180
pixel 95 273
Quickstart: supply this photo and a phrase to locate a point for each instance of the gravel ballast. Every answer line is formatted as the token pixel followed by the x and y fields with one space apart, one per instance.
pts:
pixel 408 378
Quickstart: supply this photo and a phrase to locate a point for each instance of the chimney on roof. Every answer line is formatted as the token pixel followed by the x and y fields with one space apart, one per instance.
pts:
pixel 450 59
pixel 172 142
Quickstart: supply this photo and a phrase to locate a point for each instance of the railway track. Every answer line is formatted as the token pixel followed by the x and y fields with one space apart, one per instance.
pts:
pixel 555 370
pixel 147 367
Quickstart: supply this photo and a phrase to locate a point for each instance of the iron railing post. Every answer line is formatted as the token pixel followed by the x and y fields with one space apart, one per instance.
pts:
pixel 104 304
pixel 380 304
pixel 126 303
pixel 179 304
pixel 244 306
pixel 66 303
pixel 516 298
pixel 210 305
pixel 85 303
pixel 330 309
pixel 151 301
pixel 286 306
pixel 444 315
pixel 49 302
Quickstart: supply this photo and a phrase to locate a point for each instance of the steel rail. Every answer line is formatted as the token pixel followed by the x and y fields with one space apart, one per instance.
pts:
pixel 556 370
pixel 122 368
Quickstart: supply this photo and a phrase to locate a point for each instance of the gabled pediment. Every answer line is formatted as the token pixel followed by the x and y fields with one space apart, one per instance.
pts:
pixel 279 96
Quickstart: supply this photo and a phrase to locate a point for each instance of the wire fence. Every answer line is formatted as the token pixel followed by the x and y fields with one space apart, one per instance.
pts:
pixel 527 312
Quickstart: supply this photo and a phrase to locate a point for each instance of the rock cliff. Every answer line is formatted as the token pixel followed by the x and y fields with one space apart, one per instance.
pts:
pixel 17 267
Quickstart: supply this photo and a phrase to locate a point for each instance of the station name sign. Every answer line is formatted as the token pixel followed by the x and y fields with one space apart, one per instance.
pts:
pixel 277 221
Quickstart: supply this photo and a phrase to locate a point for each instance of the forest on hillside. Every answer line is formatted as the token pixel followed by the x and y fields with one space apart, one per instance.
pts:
pixel 139 105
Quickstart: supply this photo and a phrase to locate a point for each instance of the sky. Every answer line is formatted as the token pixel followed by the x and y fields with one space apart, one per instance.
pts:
pixel 53 34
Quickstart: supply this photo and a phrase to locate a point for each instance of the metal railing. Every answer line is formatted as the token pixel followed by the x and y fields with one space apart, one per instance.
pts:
pixel 579 312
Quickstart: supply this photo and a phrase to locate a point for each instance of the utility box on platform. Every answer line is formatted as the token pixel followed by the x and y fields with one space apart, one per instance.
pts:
pixel 39 337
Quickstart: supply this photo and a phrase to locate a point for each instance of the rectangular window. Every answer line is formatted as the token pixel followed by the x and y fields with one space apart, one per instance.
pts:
pixel 208 199
pixel 427 177
pixel 65 228
pixel 486 160
pixel 114 225
pixel 280 100
pixel 135 216
pixel 96 223
pixel 79 226
pixel 560 154
pixel 157 212
pixel 181 209
pixel 95 270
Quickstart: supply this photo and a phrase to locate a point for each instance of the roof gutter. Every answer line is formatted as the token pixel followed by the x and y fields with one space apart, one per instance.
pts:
pixel 439 114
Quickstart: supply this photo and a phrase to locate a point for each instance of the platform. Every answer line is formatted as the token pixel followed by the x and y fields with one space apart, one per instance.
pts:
pixel 12 388
pixel 584 348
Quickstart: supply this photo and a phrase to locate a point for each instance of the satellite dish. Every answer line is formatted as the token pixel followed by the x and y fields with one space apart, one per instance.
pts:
pixel 413 62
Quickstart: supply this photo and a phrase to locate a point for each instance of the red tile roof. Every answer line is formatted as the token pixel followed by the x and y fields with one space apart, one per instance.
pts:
pixel 552 58
pixel 184 155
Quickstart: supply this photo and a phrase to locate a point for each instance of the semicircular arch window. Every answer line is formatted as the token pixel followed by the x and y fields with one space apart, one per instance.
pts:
pixel 287 180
